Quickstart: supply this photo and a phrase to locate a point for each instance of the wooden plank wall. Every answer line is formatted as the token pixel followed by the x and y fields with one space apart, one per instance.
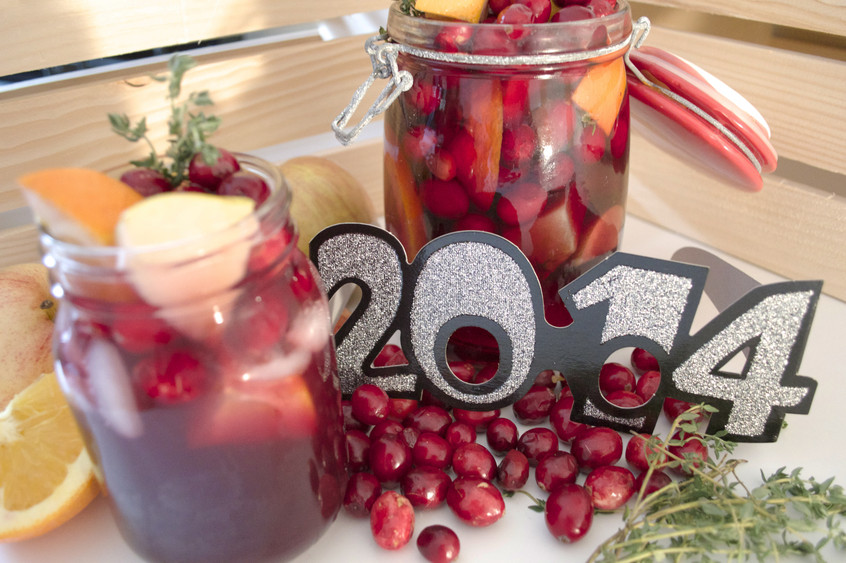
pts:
pixel 788 57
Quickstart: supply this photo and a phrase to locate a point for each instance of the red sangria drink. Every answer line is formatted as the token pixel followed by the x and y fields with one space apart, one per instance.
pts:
pixel 518 127
pixel 202 374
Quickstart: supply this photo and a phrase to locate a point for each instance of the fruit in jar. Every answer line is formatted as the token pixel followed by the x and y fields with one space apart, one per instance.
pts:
pixel 601 91
pixel 324 193
pixel 26 327
pixel 465 10
pixel 47 475
pixel 77 205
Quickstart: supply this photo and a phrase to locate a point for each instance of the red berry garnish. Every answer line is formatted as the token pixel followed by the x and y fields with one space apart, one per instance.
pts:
pixel 392 520
pixel 398 408
pixel 431 449
pixel 438 544
pixel 501 435
pixel 639 454
pixel 477 419
pixel 146 181
pixel 643 361
pixel 555 470
pixel 390 355
pixel 474 460
pixel 513 471
pixel 211 175
pixel 540 9
pixel 657 480
pixel 569 513
pixel 610 486
pixel 535 405
pixel 597 446
pixel 429 418
pixel 459 433
pixel 559 418
pixel 390 459
pixel 692 450
pixel 245 184
pixel 615 377
pixel 425 487
pixel 536 443
pixel 369 403
pixel 647 385
pixel 624 399
pixel 358 450
pixel 385 427
pixel 475 501
pixel 362 491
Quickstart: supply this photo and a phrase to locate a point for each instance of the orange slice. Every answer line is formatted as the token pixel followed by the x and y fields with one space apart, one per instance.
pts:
pixel 46 476
pixel 77 205
pixel 464 10
pixel 601 92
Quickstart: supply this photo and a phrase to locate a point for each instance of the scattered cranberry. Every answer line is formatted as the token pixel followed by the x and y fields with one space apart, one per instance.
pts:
pixel 398 409
pixel 513 471
pixel 429 418
pixel 358 450
pixel 638 453
pixel 556 469
pixel 438 544
pixel 431 449
pixel 385 427
pixel 351 422
pixel 615 377
pixel 390 459
pixel 647 385
pixel 459 433
pixel 390 355
pixel 624 399
pixel 569 513
pixel 392 520
pixel 369 404
pixel 610 486
pixel 501 435
pixel 675 407
pixel 692 450
pixel 362 491
pixel 559 417
pixel 534 406
pixel 536 443
pixel 425 487
pixel 597 446
pixel 643 361
pixel 474 460
pixel 477 419
pixel 211 175
pixel 548 378
pixel 475 501
pixel 657 480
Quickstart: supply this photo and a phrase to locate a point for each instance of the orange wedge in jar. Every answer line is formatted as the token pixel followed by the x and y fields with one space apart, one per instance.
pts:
pixel 600 92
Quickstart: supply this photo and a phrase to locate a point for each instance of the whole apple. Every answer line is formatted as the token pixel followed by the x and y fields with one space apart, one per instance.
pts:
pixel 322 194
pixel 26 327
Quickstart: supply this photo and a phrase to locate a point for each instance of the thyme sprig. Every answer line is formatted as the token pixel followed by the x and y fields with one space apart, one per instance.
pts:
pixel 714 516
pixel 188 127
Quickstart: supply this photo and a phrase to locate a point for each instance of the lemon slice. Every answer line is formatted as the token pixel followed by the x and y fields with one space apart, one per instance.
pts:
pixel 46 475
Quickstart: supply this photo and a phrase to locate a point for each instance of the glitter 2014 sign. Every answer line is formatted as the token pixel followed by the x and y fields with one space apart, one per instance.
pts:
pixel 475 279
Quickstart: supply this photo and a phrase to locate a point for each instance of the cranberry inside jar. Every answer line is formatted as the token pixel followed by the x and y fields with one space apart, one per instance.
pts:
pixel 536 152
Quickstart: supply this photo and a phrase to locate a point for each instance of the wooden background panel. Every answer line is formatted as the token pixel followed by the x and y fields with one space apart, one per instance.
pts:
pixel 793 230
pixel 264 96
pixel 46 33
pixel 827 16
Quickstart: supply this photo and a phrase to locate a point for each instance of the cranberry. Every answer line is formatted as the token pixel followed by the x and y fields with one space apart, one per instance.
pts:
pixel 501 435
pixel 657 480
pixel 385 427
pixel 540 9
pixel 247 185
pixel 610 486
pixel 673 408
pixel 548 378
pixel 392 520
pixel 211 175
pixel 597 446
pixel 602 7
pixel 572 13
pixel 398 409
pixel 358 450
pixel 171 376
pixel 351 422
pixel 425 95
pixel 638 453
pixel 496 6
pixel 441 164
pixel 465 371
pixel 477 419
pixel 559 418
pixel 513 471
pixel 369 403
pixel 569 513
pixel 643 361
pixel 515 16
pixel 390 459
pixel 518 144
pixel 592 144
pixel 474 460
pixel 647 385
pixel 425 487
pixel 390 355
pixel 362 491
pixel 438 544
pixel 475 501
pixel 431 449
pixel 615 377
pixel 537 443
pixel 137 331
pixel 624 399
pixel 476 222
pixel 447 200
pixel 521 204
pixel 534 406
pixel 429 418
pixel 515 100
pixel 146 181
pixel 420 142
pixel 556 469
pixel 691 449
pixel 459 433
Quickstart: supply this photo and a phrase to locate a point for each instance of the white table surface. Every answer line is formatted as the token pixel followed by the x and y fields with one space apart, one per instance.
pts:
pixel 813 441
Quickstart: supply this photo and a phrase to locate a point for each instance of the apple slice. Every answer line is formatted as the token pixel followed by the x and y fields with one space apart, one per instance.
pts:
pixel 76 204
pixel 186 250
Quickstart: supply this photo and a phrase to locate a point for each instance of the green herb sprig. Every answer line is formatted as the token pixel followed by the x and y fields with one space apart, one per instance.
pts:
pixel 188 128
pixel 714 516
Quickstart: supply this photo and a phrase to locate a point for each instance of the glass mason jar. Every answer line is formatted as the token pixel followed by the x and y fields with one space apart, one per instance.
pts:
pixel 203 377
pixel 535 150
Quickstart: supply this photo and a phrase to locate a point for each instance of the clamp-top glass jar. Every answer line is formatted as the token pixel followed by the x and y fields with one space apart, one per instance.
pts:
pixel 522 131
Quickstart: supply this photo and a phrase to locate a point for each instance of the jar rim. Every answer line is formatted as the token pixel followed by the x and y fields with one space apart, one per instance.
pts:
pixel 278 202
